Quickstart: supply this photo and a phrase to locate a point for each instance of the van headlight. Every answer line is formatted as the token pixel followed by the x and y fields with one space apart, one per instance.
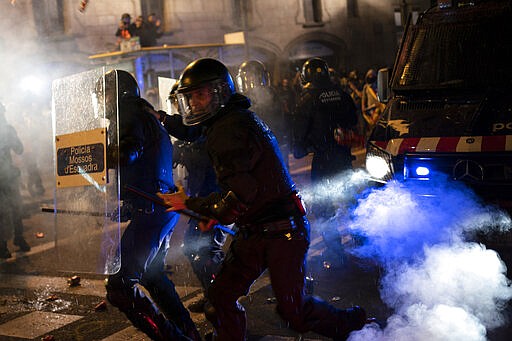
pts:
pixel 378 163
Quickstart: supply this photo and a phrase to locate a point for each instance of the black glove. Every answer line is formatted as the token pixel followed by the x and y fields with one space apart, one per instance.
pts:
pixel 163 116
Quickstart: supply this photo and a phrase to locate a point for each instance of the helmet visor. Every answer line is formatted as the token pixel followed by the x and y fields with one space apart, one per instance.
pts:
pixel 198 104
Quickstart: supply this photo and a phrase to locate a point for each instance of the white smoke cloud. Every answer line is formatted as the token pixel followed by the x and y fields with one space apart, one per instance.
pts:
pixel 420 323
pixel 399 222
pixel 440 286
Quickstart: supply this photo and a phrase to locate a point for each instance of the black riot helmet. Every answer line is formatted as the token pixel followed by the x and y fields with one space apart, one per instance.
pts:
pixel 126 84
pixel 204 87
pixel 252 74
pixel 119 81
pixel 315 70
pixel 114 85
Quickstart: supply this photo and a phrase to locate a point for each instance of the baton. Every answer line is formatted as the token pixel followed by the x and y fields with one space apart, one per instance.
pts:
pixel 189 213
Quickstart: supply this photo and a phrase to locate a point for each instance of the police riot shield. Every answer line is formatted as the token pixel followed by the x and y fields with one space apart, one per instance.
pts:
pixel 164 88
pixel 87 190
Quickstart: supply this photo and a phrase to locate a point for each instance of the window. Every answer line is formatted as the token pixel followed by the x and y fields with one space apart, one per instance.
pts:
pixel 313 11
pixel 243 14
pixel 48 17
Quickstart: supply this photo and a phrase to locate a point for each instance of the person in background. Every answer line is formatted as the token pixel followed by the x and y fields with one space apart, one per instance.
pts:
pixel 334 76
pixel 322 108
pixel 354 87
pixel 125 27
pixel 253 81
pixel 143 158
pixel 138 28
pixel 32 143
pixel 287 97
pixel 259 196
pixel 10 196
pixel 146 31
pixel 371 107
pixel 153 29
pixel 324 112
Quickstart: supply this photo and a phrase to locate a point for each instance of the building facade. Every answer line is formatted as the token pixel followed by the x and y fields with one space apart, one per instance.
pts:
pixel 57 37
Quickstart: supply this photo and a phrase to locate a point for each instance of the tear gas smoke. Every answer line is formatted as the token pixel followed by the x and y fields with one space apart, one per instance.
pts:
pixel 398 221
pixel 336 192
pixel 440 285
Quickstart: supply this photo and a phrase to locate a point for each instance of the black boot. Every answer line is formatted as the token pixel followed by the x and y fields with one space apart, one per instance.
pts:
pixel 4 251
pixel 21 243
pixel 353 318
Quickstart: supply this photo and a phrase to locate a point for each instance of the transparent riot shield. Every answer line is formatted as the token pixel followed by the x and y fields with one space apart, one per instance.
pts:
pixel 87 190
pixel 164 87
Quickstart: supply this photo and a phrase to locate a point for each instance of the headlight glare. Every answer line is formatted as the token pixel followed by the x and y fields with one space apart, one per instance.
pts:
pixel 378 163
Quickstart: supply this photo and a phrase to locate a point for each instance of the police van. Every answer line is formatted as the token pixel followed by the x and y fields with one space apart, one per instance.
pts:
pixel 449 101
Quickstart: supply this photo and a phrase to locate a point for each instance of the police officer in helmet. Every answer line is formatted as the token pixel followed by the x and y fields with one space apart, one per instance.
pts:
pixel 253 81
pixel 323 107
pixel 143 156
pixel 204 249
pixel 324 113
pixel 260 198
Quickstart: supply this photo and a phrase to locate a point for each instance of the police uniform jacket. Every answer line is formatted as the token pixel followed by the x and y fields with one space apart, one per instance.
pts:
pixel 321 109
pixel 247 161
pixel 145 151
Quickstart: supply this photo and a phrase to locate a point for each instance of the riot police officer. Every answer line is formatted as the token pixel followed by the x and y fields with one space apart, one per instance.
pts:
pixel 141 289
pixel 253 81
pixel 11 208
pixel 259 196
pixel 203 249
pixel 323 111
pixel 323 107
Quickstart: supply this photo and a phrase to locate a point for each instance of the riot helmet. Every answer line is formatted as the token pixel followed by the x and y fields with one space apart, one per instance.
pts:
pixel 315 70
pixel 126 84
pixel 251 74
pixel 114 85
pixel 118 81
pixel 204 87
